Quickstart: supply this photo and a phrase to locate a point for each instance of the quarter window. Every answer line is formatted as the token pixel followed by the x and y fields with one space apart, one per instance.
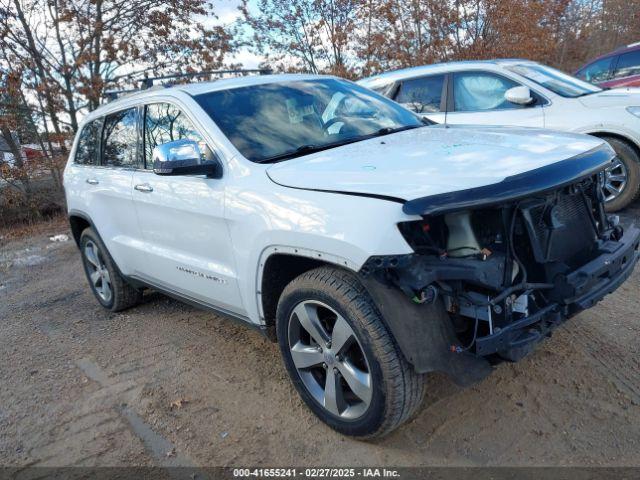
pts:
pixel 422 95
pixel 628 64
pixel 481 91
pixel 165 123
pixel 120 139
pixel 87 150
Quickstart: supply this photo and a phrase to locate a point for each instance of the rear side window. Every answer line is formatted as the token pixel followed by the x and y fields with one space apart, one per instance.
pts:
pixel 598 71
pixel 87 150
pixel 422 95
pixel 120 139
pixel 628 64
pixel 165 123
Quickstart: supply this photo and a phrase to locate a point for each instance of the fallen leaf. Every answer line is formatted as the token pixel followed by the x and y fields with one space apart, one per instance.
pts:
pixel 179 403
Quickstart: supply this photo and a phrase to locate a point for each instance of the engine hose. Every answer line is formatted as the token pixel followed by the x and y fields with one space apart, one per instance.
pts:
pixel 505 293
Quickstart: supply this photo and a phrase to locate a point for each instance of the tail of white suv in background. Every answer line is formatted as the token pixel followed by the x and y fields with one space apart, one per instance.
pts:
pixel 374 248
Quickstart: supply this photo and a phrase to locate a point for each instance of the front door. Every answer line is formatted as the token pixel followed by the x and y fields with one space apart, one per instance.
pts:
pixel 182 220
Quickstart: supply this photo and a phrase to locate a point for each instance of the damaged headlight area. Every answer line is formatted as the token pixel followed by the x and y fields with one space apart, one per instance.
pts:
pixel 507 274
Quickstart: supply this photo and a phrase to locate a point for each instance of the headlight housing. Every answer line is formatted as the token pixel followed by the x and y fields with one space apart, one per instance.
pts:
pixel 635 111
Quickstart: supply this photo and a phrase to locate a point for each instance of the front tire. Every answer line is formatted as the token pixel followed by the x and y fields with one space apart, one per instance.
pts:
pixel 341 358
pixel 109 287
pixel 622 178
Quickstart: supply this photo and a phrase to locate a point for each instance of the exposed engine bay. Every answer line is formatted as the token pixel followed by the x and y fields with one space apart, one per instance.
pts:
pixel 508 274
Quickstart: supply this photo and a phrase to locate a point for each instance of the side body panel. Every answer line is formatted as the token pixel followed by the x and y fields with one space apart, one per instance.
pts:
pixel 266 218
pixel 104 196
pixel 522 117
pixel 187 241
pixel 569 114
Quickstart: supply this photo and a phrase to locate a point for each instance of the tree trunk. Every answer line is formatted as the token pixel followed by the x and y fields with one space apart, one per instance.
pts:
pixel 40 70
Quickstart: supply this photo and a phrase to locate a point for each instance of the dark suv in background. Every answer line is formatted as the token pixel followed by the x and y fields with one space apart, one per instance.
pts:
pixel 620 68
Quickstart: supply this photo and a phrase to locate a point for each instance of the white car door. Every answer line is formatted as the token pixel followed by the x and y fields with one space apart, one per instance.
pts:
pixel 188 246
pixel 106 185
pixel 478 98
pixel 423 95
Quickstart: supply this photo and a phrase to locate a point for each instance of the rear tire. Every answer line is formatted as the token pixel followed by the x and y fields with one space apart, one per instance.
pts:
pixel 631 167
pixel 109 287
pixel 331 297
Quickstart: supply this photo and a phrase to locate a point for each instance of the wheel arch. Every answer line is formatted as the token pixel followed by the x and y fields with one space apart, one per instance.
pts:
pixel 78 222
pixel 603 134
pixel 279 265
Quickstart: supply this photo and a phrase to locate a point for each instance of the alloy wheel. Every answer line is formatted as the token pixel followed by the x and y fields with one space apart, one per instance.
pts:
pixel 98 273
pixel 330 360
pixel 615 179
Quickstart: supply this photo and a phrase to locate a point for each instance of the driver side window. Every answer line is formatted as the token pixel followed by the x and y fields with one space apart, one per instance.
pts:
pixel 481 91
pixel 165 123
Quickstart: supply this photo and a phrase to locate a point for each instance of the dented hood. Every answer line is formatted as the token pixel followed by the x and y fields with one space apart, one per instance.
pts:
pixel 433 160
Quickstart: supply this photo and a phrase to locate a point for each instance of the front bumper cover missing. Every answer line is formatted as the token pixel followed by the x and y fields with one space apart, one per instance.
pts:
pixel 588 284
pixel 424 332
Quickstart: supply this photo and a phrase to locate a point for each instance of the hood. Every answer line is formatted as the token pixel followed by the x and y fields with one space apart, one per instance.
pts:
pixel 616 97
pixel 431 160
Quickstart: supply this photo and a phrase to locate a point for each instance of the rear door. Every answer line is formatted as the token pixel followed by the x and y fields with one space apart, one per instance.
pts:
pixel 477 97
pixel 424 95
pixel 186 236
pixel 108 188
pixel 81 171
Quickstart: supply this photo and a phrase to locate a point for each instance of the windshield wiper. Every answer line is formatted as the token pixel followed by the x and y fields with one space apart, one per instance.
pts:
pixel 389 130
pixel 305 149
pixel 311 148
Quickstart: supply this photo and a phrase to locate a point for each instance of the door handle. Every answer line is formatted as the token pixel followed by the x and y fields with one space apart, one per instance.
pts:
pixel 144 187
pixel 92 181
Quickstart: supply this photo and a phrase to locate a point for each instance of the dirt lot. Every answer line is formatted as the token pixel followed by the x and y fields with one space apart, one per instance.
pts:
pixel 166 384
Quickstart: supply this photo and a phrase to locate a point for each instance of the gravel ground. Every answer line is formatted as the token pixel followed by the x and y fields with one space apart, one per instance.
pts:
pixel 165 384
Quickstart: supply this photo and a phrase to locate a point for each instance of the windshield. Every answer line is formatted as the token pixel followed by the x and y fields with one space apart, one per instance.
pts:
pixel 555 80
pixel 281 120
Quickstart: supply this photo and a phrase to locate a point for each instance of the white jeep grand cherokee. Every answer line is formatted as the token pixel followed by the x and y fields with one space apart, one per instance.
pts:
pixel 374 247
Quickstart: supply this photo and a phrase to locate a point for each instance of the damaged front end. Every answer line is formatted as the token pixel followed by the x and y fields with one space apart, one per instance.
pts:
pixel 488 282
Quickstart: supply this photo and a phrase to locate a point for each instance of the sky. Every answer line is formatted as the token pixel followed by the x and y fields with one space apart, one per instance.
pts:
pixel 228 13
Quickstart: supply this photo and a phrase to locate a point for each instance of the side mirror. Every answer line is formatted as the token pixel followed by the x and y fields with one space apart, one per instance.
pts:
pixel 519 95
pixel 184 157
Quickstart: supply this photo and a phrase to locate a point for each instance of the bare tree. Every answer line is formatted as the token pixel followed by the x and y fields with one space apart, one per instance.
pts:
pixel 308 35
pixel 62 55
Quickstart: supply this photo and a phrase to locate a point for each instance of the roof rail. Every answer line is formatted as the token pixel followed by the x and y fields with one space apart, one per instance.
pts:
pixel 148 82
